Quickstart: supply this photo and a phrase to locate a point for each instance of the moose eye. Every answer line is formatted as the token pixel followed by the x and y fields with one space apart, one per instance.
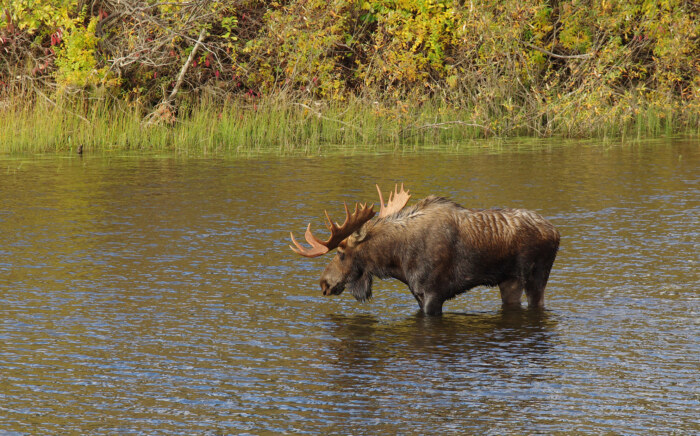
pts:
pixel 341 255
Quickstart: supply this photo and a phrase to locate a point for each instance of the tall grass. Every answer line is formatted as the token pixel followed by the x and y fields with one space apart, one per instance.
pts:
pixel 281 127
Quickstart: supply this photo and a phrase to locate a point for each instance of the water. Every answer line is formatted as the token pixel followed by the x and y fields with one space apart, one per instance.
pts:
pixel 158 295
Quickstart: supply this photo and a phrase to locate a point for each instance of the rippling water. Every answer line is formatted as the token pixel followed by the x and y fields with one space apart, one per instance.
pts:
pixel 158 295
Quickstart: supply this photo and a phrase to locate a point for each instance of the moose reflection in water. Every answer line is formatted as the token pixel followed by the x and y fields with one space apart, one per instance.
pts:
pixel 456 369
pixel 439 249
pixel 365 342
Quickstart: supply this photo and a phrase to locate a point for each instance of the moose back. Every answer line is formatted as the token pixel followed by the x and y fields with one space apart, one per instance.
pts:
pixel 439 249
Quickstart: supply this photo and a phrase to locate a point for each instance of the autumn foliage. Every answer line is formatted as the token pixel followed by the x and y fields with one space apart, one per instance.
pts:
pixel 512 67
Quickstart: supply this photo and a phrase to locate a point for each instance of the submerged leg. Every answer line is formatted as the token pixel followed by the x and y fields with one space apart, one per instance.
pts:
pixel 535 298
pixel 537 282
pixel 432 305
pixel 534 289
pixel 418 297
pixel 511 292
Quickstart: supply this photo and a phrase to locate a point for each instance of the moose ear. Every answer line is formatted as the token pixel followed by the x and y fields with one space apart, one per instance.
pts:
pixel 360 235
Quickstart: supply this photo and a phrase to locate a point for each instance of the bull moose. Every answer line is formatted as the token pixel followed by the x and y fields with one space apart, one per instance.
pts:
pixel 439 249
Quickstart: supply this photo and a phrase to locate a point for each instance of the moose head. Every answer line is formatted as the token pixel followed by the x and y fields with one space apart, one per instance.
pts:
pixel 348 269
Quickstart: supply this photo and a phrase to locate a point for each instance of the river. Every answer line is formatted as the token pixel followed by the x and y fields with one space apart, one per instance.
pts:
pixel 158 295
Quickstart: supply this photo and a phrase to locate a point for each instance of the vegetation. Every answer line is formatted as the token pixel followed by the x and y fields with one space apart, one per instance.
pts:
pixel 244 75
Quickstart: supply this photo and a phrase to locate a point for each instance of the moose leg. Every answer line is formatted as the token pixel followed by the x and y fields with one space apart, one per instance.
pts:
pixel 511 292
pixel 419 299
pixel 536 284
pixel 426 291
pixel 535 298
pixel 432 304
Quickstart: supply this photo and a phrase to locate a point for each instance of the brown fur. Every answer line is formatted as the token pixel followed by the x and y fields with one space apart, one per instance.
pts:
pixel 440 249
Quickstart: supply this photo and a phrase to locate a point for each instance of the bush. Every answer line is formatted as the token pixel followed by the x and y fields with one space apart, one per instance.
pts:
pixel 514 67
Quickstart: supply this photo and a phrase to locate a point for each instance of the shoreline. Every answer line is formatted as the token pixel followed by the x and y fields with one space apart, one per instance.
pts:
pixel 293 128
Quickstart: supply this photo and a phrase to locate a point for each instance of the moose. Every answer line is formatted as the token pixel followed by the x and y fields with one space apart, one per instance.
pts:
pixel 438 248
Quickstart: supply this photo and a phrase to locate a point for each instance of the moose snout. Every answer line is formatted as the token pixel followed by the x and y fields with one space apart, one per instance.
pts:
pixel 329 289
pixel 325 287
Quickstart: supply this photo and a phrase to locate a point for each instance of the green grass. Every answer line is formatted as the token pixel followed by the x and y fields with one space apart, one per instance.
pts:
pixel 284 128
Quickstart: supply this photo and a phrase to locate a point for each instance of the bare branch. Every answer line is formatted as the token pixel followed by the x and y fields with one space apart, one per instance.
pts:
pixel 320 115
pixel 558 56
pixel 446 124
pixel 53 103
pixel 151 118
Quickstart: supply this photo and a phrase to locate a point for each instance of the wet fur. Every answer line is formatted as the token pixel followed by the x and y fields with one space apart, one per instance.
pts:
pixel 361 289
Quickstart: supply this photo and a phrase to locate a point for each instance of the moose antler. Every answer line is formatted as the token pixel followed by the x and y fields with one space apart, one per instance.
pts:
pixel 397 200
pixel 352 222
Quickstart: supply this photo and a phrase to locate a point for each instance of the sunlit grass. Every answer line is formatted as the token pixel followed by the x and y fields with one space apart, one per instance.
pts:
pixel 284 128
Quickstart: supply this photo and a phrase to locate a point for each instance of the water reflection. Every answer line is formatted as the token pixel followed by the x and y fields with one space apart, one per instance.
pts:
pixel 459 366
pixel 144 295
pixel 366 341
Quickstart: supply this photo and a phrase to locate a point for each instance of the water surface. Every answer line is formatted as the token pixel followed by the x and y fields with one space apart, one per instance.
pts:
pixel 158 295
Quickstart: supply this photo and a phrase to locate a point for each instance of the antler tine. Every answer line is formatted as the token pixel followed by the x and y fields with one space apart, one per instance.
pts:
pixel 352 222
pixel 317 247
pixel 396 188
pixel 331 225
pixel 381 201
pixel 397 200
pixel 338 232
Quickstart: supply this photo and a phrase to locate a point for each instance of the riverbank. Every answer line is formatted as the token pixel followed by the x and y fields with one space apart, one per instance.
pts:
pixel 255 126
pixel 307 76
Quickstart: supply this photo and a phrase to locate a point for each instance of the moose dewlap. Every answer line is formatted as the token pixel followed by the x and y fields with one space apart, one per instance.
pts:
pixel 439 249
